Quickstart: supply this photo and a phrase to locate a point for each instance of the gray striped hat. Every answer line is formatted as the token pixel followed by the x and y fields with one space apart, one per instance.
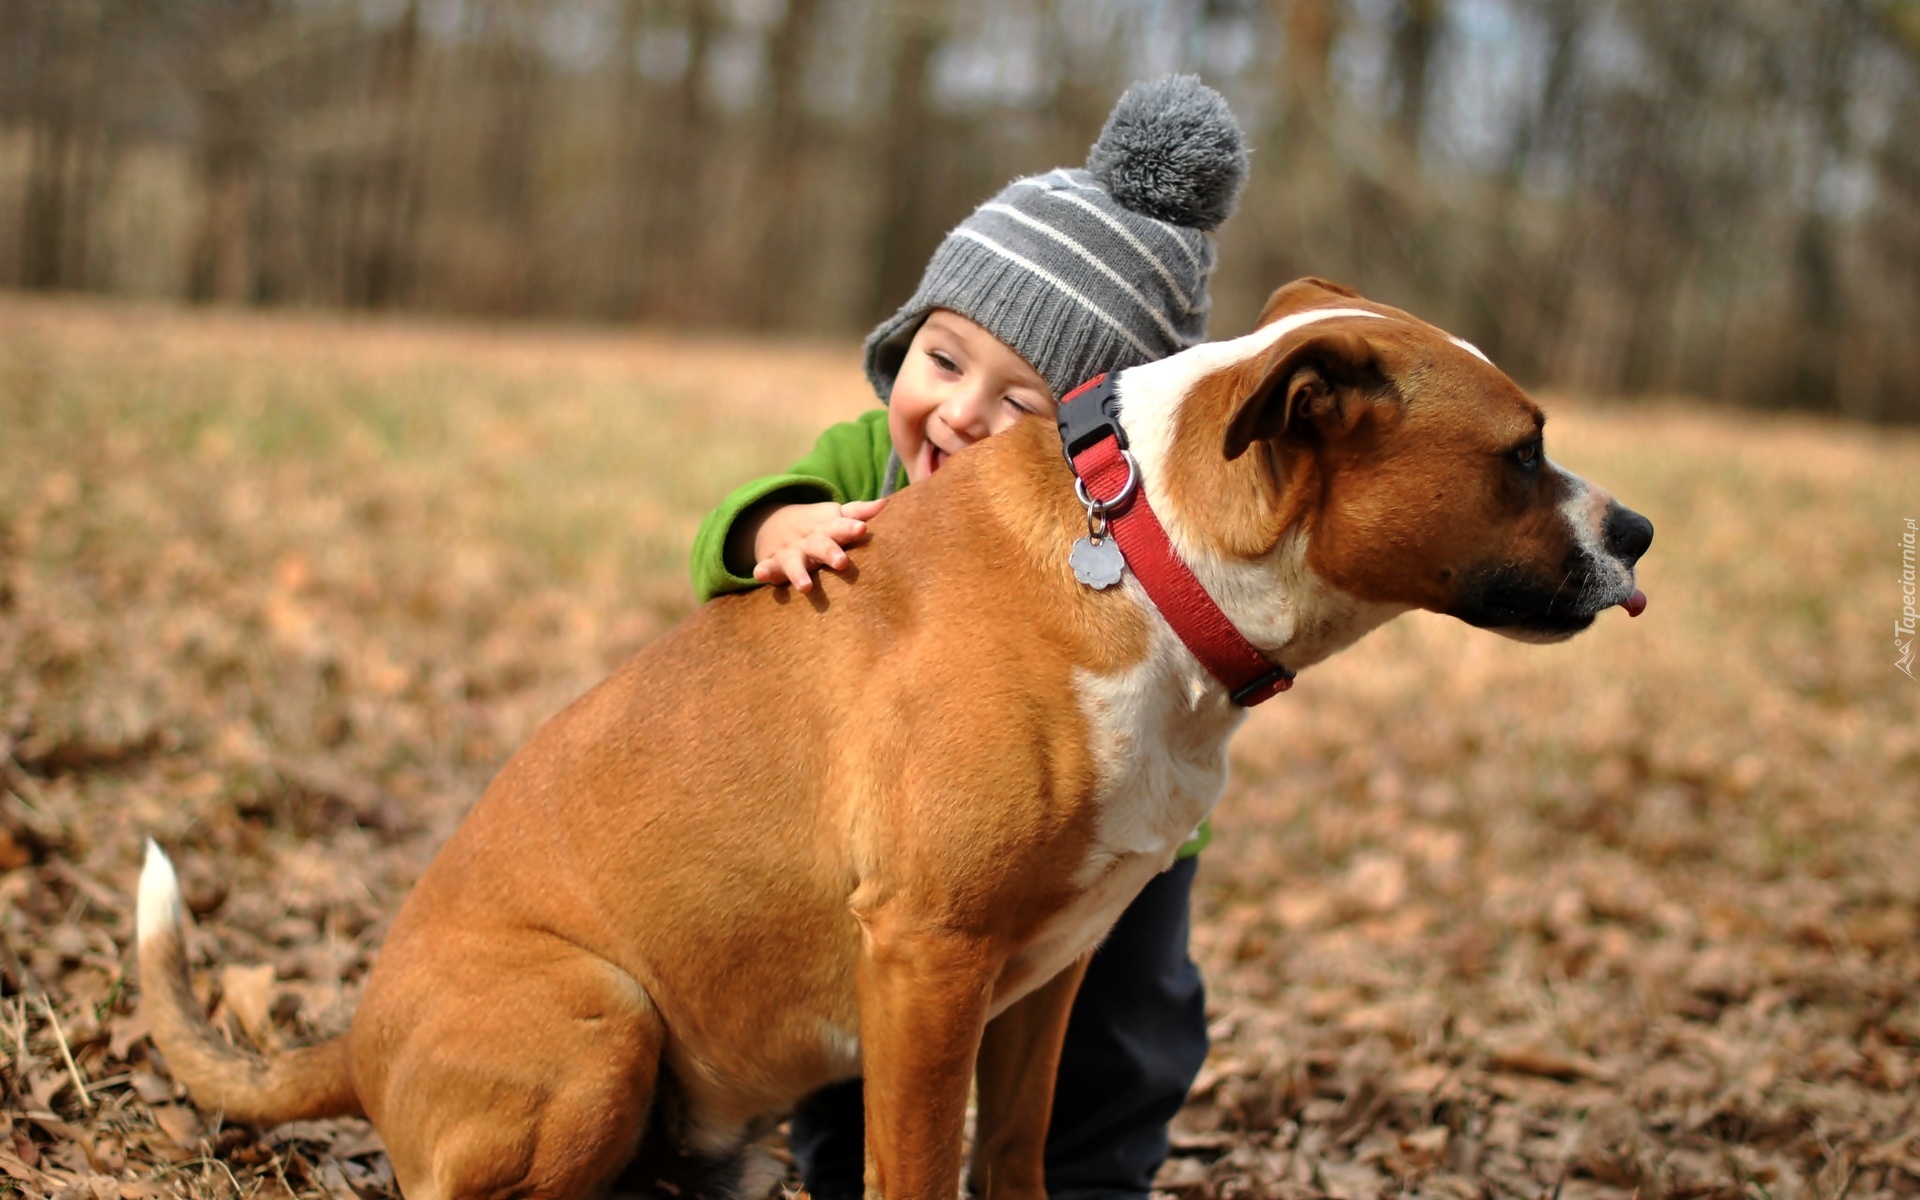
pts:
pixel 1089 270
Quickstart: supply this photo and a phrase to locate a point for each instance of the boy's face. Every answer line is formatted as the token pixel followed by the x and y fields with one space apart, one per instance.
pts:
pixel 957 385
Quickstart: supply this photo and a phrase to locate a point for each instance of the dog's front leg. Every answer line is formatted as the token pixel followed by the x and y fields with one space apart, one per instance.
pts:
pixel 923 1001
pixel 1019 1058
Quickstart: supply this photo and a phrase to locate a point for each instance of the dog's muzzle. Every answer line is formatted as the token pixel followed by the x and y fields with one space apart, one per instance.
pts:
pixel 1522 601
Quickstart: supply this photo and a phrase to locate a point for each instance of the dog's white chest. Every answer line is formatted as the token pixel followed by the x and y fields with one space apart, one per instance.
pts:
pixel 1158 733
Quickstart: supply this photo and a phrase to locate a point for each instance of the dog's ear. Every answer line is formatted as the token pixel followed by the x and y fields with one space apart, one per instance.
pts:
pixel 1305 388
pixel 1301 295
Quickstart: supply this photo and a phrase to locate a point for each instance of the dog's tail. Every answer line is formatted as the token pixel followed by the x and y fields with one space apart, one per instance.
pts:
pixel 291 1085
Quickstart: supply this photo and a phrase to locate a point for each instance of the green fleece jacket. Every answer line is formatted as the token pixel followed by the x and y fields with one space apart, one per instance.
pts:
pixel 848 463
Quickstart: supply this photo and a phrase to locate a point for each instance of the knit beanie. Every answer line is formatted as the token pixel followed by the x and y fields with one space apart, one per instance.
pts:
pixel 1097 269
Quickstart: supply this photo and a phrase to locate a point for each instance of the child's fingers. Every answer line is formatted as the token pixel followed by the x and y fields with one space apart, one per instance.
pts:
pixel 794 563
pixel 823 549
pixel 846 532
pixel 797 567
pixel 863 510
pixel 786 566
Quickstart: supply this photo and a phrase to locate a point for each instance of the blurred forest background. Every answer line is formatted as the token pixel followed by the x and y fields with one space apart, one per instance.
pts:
pixel 1616 196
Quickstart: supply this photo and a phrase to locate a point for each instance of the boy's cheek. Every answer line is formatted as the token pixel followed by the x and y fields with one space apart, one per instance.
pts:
pixel 907 434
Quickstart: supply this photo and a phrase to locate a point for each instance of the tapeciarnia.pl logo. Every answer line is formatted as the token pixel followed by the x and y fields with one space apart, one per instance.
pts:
pixel 1904 641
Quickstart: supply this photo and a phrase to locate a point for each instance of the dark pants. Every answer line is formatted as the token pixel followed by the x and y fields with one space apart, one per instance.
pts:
pixel 1137 1038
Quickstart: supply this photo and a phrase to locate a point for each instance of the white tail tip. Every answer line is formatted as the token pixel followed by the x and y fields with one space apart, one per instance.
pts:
pixel 160 907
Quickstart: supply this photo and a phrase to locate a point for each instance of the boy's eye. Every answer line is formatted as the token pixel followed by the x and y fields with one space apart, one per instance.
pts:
pixel 1020 406
pixel 942 361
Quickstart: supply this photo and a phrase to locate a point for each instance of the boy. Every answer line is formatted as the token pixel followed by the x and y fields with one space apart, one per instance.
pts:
pixel 1058 278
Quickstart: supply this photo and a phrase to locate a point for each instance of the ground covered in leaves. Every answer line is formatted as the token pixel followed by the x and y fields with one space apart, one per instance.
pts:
pixel 1635 914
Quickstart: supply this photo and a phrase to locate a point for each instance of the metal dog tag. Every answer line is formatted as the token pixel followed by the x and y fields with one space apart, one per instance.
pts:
pixel 1097 562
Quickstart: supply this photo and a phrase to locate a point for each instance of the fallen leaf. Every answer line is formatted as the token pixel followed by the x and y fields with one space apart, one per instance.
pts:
pixel 357 1139
pixel 109 1154
pixel 1184 1142
pixel 1429 1143
pixel 247 993
pixel 1895 1153
pixel 376 1175
pixel 1527 1059
pixel 1422 1080
pixel 123 1031
pixel 150 1087
pixel 179 1123
pixel 1185 1177
pixel 1351 1181
pixel 56 1128
pixel 334 1181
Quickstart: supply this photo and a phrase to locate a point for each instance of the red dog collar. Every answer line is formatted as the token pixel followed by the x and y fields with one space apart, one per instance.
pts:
pixel 1095 445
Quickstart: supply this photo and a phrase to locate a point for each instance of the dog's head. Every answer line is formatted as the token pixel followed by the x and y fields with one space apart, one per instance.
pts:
pixel 1360 462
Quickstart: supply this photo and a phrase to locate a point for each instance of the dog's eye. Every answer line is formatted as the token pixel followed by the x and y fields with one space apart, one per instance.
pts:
pixel 1526 457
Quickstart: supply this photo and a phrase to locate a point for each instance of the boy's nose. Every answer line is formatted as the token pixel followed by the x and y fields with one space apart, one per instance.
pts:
pixel 967 415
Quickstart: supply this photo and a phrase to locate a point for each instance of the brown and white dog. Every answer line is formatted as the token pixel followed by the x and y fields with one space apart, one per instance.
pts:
pixel 876 829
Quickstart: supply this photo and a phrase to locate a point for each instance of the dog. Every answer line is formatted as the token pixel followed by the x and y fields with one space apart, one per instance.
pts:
pixel 877 828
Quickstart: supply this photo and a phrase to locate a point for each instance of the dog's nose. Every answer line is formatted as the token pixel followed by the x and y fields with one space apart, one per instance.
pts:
pixel 1628 534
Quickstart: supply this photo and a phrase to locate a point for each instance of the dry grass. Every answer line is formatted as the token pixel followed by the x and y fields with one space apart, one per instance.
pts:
pixel 1637 913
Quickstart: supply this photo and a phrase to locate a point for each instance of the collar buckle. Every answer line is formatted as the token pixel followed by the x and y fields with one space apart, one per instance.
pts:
pixel 1090 414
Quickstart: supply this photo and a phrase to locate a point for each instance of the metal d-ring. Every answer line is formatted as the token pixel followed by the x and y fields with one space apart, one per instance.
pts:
pixel 1097 509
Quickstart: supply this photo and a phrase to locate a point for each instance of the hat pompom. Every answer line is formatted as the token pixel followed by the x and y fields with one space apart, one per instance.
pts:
pixel 1172 150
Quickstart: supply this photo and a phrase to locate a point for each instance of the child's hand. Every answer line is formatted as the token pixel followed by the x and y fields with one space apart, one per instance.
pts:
pixel 793 539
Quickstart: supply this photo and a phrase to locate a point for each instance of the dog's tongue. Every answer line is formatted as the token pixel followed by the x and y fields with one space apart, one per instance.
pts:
pixel 1636 603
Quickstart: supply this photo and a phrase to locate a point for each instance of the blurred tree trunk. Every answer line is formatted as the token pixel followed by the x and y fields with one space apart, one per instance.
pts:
pixel 1822 326
pixel 779 244
pixel 65 138
pixel 1296 174
pixel 1306 95
pixel 387 207
pixel 43 229
pixel 1090 69
pixel 1396 216
pixel 904 154
pixel 222 254
pixel 1416 35
pixel 635 129
pixel 1893 231
pixel 1523 295
pixel 676 176
pixel 514 77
